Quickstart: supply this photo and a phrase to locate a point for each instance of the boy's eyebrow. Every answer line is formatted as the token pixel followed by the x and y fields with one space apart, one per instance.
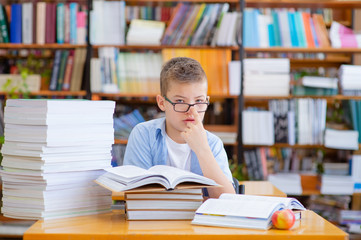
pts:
pixel 180 96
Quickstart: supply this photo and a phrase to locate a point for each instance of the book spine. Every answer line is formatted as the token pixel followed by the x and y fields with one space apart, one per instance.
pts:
pixel 15 24
pixel 60 20
pixel 55 72
pixel 73 22
pixel 4 25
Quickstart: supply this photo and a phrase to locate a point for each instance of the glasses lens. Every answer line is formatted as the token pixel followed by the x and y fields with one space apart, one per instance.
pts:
pixel 201 107
pixel 181 107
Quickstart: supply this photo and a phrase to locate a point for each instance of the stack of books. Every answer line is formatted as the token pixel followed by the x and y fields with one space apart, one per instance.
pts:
pixel 266 77
pixel 160 205
pixel 159 193
pixel 53 152
pixel 337 185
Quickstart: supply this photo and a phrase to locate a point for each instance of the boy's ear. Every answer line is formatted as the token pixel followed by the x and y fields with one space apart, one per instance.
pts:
pixel 160 102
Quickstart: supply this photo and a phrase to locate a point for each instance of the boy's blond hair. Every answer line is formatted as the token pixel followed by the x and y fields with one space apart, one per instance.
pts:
pixel 181 70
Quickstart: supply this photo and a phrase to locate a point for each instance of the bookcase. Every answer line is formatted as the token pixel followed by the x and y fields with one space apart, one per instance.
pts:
pixel 47 39
pixel 344 12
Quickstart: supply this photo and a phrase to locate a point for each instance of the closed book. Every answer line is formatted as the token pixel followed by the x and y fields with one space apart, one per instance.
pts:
pixel 172 204
pixel 60 23
pixel 242 211
pixel 63 61
pixel 4 25
pixel 73 11
pixel 55 71
pixel 68 71
pixel 77 73
pixel 16 23
pixel 160 215
pixel 50 24
pixel 40 22
pixel 27 23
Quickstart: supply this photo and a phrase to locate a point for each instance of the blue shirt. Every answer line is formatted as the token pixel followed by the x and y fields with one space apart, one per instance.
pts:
pixel 147 147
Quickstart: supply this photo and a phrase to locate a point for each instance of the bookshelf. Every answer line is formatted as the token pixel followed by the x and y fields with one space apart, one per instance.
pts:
pixel 311 183
pixel 36 31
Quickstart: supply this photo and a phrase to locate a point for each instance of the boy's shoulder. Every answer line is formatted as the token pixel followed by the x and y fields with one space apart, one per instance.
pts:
pixel 151 125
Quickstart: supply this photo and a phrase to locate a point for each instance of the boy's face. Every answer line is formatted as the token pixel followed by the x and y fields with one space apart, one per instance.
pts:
pixel 181 93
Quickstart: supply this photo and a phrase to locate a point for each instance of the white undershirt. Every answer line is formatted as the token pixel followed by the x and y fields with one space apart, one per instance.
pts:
pixel 179 155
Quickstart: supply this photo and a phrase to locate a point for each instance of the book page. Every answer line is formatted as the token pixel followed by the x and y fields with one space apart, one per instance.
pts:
pixel 290 203
pixel 129 173
pixel 176 175
pixel 239 208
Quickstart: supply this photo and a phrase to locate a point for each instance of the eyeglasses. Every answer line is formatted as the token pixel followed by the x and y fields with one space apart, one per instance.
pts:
pixel 184 107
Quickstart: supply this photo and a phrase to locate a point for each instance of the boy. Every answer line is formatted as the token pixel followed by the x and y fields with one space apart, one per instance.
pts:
pixel 179 139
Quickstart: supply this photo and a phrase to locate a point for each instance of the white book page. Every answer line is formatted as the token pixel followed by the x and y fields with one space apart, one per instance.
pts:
pixel 176 175
pixel 230 207
pixel 290 203
pixel 129 173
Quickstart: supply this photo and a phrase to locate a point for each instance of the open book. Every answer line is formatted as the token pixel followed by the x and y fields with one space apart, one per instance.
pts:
pixel 242 211
pixel 124 178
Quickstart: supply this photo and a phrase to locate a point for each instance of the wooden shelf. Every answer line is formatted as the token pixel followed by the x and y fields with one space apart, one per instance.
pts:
pixel 311 63
pixel 42 46
pixel 328 98
pixel 285 145
pixel 54 93
pixel 151 47
pixel 281 3
pixel 236 48
pixel 121 141
pixel 145 95
pixel 304 50
pixel 304 3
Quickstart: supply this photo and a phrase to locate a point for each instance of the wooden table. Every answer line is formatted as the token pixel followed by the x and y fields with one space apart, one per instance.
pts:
pixel 262 188
pixel 111 226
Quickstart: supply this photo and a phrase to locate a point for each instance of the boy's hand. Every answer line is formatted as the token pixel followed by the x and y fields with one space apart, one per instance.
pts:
pixel 195 134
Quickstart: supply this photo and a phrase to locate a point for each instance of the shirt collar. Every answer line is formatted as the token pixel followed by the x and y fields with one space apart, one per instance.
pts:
pixel 160 127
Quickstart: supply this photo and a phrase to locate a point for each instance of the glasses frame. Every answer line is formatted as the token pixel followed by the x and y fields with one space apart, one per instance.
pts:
pixel 189 105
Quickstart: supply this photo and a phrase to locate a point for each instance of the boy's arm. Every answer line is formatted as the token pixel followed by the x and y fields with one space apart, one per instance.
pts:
pixel 196 137
pixel 137 151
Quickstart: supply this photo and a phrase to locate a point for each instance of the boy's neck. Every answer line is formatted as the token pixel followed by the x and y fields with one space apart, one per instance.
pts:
pixel 175 136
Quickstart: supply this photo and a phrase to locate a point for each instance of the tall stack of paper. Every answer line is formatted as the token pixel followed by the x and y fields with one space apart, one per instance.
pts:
pixel 266 77
pixel 349 78
pixel 289 183
pixel 163 205
pixel 53 152
pixel 258 128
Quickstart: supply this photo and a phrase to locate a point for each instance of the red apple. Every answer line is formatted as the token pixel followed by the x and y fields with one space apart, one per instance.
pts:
pixel 283 219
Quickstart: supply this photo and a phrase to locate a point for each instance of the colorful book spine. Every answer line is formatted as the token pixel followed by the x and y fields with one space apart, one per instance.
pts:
pixel 73 22
pixel 16 23
pixel 60 23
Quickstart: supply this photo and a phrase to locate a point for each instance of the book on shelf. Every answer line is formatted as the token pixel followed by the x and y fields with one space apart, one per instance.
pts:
pixel 242 211
pixel 159 177
pixel 341 139
pixel 145 32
